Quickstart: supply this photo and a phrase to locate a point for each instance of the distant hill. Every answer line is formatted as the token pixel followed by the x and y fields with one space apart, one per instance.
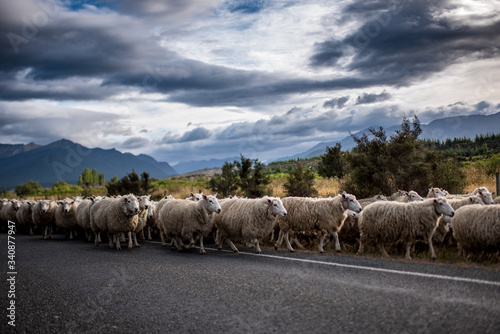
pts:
pixel 189 166
pixel 442 129
pixel 64 160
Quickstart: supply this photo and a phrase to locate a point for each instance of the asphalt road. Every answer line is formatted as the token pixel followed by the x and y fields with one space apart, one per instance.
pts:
pixel 70 286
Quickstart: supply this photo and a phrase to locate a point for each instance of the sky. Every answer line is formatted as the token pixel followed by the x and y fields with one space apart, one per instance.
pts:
pixel 186 80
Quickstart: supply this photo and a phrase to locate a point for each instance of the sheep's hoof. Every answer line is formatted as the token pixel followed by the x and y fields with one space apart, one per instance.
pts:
pixel 136 245
pixel 203 252
pixel 339 251
pixel 259 252
pixel 433 258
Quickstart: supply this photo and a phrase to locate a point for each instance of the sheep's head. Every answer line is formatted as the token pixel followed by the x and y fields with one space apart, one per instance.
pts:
pixel 349 202
pixel 212 203
pixel 67 205
pixel 130 205
pixel 475 199
pixel 15 204
pixel 144 202
pixel 486 196
pixel 443 207
pixel 44 206
pixel 277 207
pixel 414 196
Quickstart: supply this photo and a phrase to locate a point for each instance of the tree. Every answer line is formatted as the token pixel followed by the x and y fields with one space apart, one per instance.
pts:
pixel 226 183
pixel 95 177
pixel 87 177
pixel 252 178
pixel 333 162
pixel 145 183
pixel 300 182
pixel 101 179
pixel 29 188
pixel 80 181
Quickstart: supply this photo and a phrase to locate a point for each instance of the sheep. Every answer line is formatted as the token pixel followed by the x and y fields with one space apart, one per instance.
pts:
pixel 159 205
pixel 115 216
pixel 9 211
pixel 390 222
pixel 188 220
pixel 437 192
pixel 497 200
pixel 83 217
pixel 65 216
pixel 24 215
pixel 397 194
pixel 194 197
pixel 142 218
pixel 411 196
pixel 247 220
pixel 485 194
pixel 350 229
pixel 151 221
pixel 323 216
pixel 477 228
pixel 444 221
pixel 43 216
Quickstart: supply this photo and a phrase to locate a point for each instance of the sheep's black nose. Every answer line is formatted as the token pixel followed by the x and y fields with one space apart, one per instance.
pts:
pixel 218 210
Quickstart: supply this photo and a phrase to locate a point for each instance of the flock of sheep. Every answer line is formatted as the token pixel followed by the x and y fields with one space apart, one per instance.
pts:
pixel 472 221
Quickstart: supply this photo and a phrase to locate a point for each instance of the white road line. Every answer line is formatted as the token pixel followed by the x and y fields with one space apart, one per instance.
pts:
pixel 351 266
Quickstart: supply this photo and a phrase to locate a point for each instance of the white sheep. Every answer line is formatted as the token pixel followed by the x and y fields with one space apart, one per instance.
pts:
pixel 322 216
pixel 485 194
pixel 443 227
pixel 247 220
pixel 188 220
pixel 350 229
pixel 65 216
pixel 9 211
pixel 156 218
pixel 142 217
pixel 25 214
pixel 114 216
pixel 497 200
pixel 411 196
pixel 83 217
pixel 151 221
pixel 390 222
pixel 477 228
pixel 43 216
pixel 437 192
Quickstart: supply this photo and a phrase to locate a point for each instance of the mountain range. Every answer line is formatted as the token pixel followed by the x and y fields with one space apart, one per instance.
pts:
pixel 64 160
pixel 443 128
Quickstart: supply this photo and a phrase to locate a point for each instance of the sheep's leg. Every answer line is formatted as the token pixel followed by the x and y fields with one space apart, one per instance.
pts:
pixel 31 231
pixel 136 244
pixel 321 237
pixel 279 242
pixel 337 243
pixel 142 235
pixel 272 236
pixel 361 247
pixel 71 234
pixel 163 241
pixel 408 250
pixel 202 249
pixel 118 242
pixel 149 233
pixel 179 243
pixel 287 242
pixel 382 249
pixel 431 248
pixel 233 247
pixel 46 232
pixel 130 243
pixel 296 241
pixel 97 239
pixel 122 237
pixel 111 240
pixel 218 240
pixel 257 246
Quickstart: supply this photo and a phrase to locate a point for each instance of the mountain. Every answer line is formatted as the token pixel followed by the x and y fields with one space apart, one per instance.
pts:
pixel 64 160
pixel 189 166
pixel 443 128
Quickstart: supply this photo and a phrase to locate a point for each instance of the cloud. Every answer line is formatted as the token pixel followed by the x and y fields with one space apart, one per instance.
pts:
pixel 366 98
pixel 134 143
pixel 194 135
pixel 336 102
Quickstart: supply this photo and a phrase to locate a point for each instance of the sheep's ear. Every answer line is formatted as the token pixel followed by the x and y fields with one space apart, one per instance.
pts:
pixel 493 193
pixel 269 200
pixel 204 196
pixel 435 200
pixel 344 194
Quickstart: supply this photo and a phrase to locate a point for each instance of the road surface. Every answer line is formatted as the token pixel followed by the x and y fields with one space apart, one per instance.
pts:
pixel 71 286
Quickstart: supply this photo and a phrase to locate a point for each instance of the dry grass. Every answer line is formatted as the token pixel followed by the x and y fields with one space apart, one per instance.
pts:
pixel 325 187
pixel 477 177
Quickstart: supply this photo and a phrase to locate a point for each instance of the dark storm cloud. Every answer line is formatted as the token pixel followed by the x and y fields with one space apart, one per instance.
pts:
pixel 336 102
pixel 197 134
pixel 134 143
pixel 367 98
pixel 403 41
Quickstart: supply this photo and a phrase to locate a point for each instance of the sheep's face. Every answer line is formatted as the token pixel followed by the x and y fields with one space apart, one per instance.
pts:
pixel 212 203
pixel 352 214
pixel 67 205
pixel 476 200
pixel 443 207
pixel 15 204
pixel 381 198
pixel 144 202
pixel 436 192
pixel 414 196
pixel 151 211
pixel 486 196
pixel 277 207
pixel 44 206
pixel 130 205
pixel 349 202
